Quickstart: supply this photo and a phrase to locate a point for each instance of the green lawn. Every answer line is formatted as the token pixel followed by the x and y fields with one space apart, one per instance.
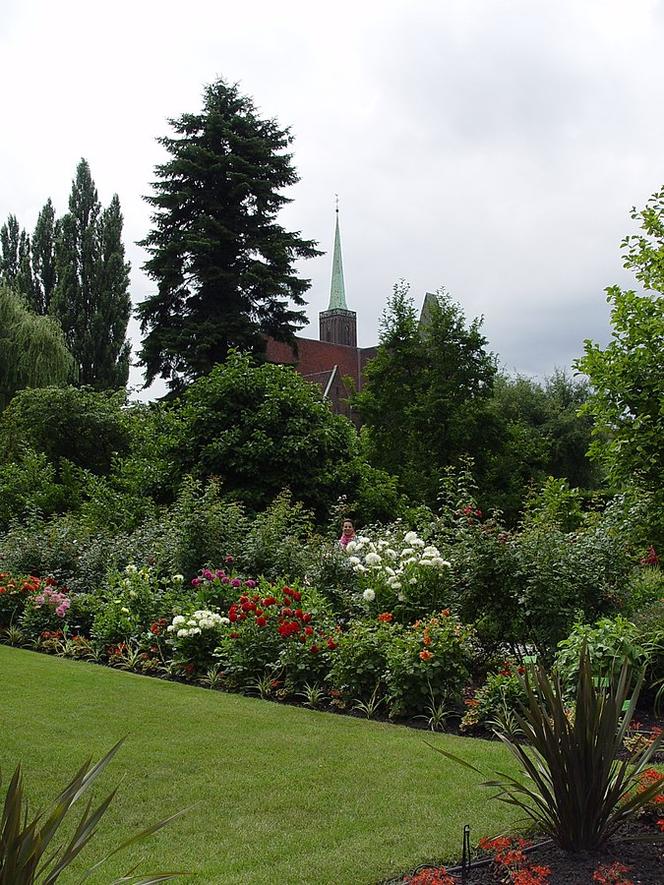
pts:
pixel 284 795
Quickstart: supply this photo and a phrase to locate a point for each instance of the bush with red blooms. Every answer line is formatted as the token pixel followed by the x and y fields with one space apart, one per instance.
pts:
pixel 431 876
pixel 651 557
pixel 612 874
pixel 655 808
pixel 511 862
pixel 274 629
pixel 502 693
pixel 15 590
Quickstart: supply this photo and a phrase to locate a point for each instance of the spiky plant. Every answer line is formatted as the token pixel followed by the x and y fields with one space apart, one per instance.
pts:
pixel 577 790
pixel 312 695
pixel 369 708
pixel 31 853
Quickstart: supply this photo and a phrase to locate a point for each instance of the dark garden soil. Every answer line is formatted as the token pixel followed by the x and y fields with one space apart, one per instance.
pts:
pixel 644 859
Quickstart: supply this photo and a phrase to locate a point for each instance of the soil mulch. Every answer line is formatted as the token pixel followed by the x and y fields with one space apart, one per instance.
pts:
pixel 644 859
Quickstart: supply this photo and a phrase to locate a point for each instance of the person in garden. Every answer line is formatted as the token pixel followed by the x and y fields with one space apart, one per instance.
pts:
pixel 347 532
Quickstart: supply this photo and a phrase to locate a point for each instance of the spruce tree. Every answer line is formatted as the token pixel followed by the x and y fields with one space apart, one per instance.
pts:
pixel 223 266
pixel 43 257
pixel 91 297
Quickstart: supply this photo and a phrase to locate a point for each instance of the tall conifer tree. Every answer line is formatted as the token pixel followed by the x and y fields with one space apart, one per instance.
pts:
pixel 223 266
pixel 91 297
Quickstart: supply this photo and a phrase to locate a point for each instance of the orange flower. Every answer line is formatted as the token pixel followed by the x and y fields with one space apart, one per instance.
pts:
pixel 445 613
pixel 426 638
pixel 386 617
pixel 425 655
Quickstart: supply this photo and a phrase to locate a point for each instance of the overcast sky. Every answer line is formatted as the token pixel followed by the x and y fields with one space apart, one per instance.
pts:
pixel 494 147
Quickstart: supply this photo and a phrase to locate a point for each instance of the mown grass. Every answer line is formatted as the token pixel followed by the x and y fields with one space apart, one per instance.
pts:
pixel 283 795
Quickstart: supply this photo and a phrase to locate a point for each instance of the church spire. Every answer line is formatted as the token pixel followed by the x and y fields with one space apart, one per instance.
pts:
pixel 337 287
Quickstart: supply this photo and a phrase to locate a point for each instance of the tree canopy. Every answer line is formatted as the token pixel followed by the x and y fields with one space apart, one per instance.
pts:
pixel 424 399
pixel 627 376
pixel 33 352
pixel 91 296
pixel 222 264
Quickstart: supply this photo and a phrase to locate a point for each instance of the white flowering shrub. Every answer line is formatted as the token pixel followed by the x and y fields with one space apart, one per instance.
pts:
pixel 398 572
pixel 194 638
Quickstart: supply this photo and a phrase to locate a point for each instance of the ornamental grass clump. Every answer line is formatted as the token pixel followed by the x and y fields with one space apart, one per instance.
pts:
pixel 577 790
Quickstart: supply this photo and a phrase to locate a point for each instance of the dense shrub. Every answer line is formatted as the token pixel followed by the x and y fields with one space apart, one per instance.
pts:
pixel 608 643
pixel 428 663
pixel 84 427
pixel 496 701
pixel 14 593
pixel 359 666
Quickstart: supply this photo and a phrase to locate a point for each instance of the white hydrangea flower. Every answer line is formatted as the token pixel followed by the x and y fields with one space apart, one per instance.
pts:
pixel 177 578
pixel 388 570
pixel 396 585
pixel 191 622
pixel 368 595
pixel 359 569
pixel 131 570
pixel 417 542
pixel 351 546
pixel 401 597
pixel 392 554
pixel 195 631
pixel 170 628
pixel 177 620
pixel 427 562
pixel 431 551
pixel 363 539
pixel 372 559
pixel 442 563
pixel 182 633
pixel 354 560
pixel 409 561
pixel 410 537
pixel 407 551
pixel 224 620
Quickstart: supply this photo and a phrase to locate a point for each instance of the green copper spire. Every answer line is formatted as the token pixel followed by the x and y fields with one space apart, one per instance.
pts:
pixel 337 288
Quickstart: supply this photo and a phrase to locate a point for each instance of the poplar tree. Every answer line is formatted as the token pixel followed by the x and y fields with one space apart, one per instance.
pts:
pixel 43 258
pixel 222 265
pixel 9 242
pixel 91 298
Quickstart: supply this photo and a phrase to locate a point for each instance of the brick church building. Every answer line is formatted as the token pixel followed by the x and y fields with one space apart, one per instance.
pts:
pixel 334 357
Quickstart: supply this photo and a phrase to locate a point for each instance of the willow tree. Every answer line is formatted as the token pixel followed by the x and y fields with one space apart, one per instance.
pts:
pixel 33 352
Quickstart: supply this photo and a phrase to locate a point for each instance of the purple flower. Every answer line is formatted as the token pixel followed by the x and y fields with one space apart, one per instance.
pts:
pixel 225 580
pixel 195 582
pixel 236 582
pixel 207 574
pixel 229 560
pixel 250 584
pixel 221 573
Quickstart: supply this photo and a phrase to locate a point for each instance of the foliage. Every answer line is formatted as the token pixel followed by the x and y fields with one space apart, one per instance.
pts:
pixel 626 376
pixel 275 543
pixel 29 484
pixel 84 427
pixel 133 600
pixel 360 662
pixel 497 699
pixel 538 432
pixel 260 429
pixel 33 352
pixel 222 265
pixel 576 790
pixel 608 643
pixel 91 297
pixel 44 272
pixel 27 855
pixel 645 587
pixel 423 403
pixel 431 658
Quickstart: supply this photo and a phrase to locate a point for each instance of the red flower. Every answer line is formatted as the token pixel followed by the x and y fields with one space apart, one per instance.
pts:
pixel 660 824
pixel 314 649
pixel 261 621
pixel 331 644
pixel 425 655
pixel 268 601
pixel 306 617
pixel 445 613
pixel 297 596
pixel 386 617
pixel 308 631
pixel 234 635
pixel 156 629
pixel 287 591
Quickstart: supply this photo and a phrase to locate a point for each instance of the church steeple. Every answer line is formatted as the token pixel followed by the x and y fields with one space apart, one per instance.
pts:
pixel 337 286
pixel 338 325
